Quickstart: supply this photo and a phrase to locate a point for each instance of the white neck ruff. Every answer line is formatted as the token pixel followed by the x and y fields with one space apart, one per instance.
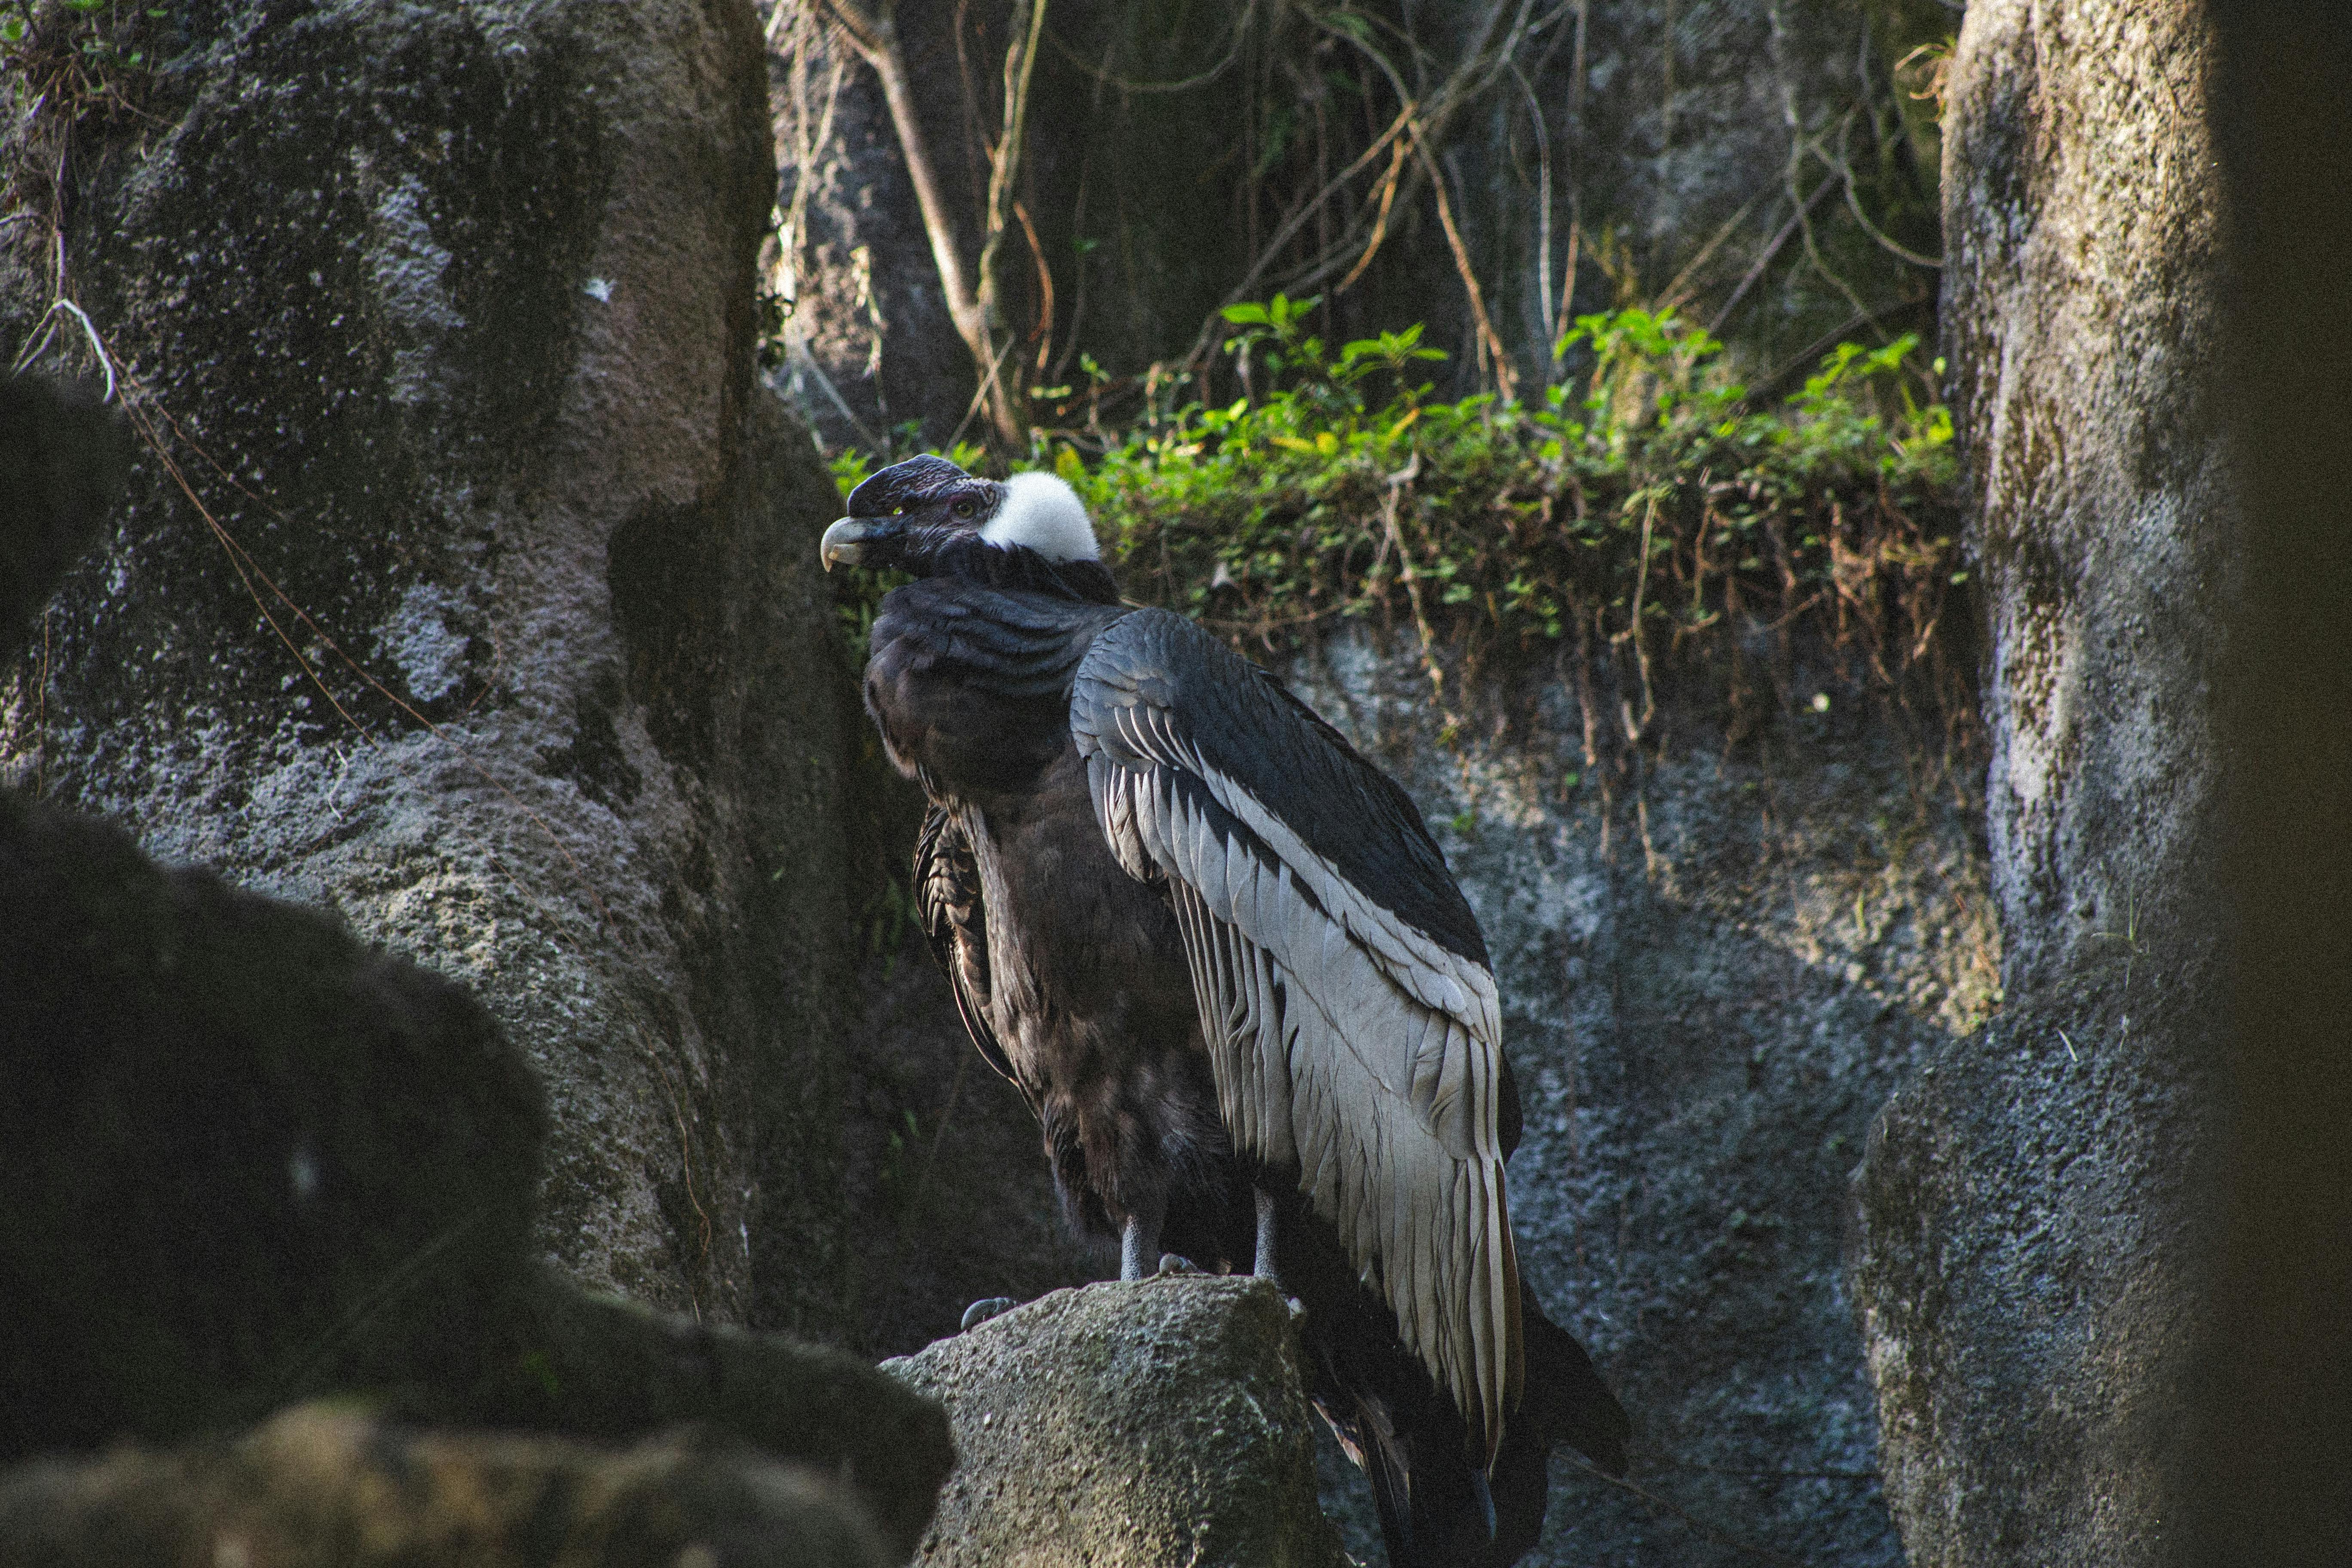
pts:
pixel 1043 514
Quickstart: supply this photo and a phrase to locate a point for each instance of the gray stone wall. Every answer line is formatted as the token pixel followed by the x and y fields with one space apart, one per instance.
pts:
pixel 2030 1227
pixel 1716 960
pixel 465 582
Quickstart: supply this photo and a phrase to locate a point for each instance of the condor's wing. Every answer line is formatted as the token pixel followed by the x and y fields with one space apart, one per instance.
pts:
pixel 1342 983
pixel 947 897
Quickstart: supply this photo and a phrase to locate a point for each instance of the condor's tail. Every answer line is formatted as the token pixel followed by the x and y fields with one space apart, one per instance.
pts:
pixel 1439 1509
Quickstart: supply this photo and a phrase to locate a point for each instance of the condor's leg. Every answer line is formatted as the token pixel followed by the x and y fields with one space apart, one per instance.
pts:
pixel 1263 1267
pixel 1138 1238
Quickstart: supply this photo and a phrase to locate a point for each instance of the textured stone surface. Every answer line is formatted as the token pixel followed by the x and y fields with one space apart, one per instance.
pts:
pixel 2029 1233
pixel 61 460
pixel 598 1366
pixel 1716 961
pixel 493 621
pixel 320 1485
pixel 1155 1422
pixel 247 1157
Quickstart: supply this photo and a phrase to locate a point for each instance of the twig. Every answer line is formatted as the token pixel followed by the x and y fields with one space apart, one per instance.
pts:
pixel 1853 204
pixel 1043 336
pixel 988 381
pixel 1381 223
pixel 1634 627
pixel 1103 75
pixel 1764 259
pixel 1673 296
pixel 1296 221
pixel 1395 485
pixel 1543 203
pixel 807 362
pixel 938 1136
pixel 873 35
pixel 105 360
pixel 1507 375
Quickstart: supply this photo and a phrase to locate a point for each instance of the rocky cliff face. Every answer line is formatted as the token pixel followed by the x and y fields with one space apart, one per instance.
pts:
pixel 253 1160
pixel 1715 963
pixel 467 579
pixel 2029 1246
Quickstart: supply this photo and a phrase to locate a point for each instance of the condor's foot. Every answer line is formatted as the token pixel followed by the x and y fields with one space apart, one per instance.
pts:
pixel 1171 1265
pixel 980 1313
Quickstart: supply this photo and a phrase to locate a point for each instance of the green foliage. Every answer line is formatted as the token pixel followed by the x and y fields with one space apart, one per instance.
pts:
pixel 1498 523
pixel 68 63
pixel 1643 512
pixel 74 54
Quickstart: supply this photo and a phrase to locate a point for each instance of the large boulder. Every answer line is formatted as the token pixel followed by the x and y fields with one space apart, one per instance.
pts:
pixel 249 1158
pixel 2030 1229
pixel 466 580
pixel 1160 1422
pixel 252 1159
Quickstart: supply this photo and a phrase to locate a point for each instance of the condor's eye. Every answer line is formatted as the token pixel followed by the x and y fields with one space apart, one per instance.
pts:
pixel 963 509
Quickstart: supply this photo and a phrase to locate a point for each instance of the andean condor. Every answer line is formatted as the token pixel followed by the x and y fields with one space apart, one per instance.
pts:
pixel 1220 956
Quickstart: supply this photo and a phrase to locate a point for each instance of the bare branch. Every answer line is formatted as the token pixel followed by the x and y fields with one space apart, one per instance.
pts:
pixel 873 35
pixel 1490 345
pixel 1003 172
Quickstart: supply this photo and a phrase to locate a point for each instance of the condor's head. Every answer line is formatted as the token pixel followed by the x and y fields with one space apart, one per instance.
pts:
pixel 928 517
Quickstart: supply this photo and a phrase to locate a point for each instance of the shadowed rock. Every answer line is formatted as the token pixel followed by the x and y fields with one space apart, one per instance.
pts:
pixel 61 461
pixel 322 1485
pixel 250 1159
pixel 472 589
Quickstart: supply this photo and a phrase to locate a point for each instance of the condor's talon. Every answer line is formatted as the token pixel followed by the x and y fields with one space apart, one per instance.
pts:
pixel 980 1313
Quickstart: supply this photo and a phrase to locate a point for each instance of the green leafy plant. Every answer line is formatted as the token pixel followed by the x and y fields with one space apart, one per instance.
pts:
pixel 1653 516
pixel 74 55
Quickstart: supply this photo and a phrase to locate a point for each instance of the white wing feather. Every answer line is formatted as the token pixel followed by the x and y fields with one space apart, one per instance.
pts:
pixel 1347 1040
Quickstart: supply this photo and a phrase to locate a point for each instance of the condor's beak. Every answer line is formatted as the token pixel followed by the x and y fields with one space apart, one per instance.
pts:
pixel 842 541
